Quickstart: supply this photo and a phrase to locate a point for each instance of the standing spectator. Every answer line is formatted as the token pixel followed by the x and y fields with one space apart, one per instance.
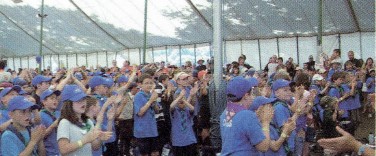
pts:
pixel 40 83
pixel 49 116
pixel 336 56
pixel 241 131
pixel 311 63
pixel 272 65
pixel 5 96
pixel 242 65
pixel 145 124
pixel 357 63
pixel 125 119
pixel 19 139
pixel 76 134
pixel 4 75
pixel 200 65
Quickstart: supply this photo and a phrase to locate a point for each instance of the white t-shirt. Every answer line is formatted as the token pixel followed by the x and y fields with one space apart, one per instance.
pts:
pixel 74 133
pixel 272 68
pixel 5 77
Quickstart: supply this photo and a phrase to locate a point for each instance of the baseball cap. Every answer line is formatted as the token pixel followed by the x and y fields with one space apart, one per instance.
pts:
pixel 5 91
pixel 19 81
pixel 122 78
pixel 201 74
pixel 280 83
pixel 182 75
pixel 72 93
pixel 39 79
pixel 78 75
pixel 20 103
pixel 96 81
pixel 322 71
pixel 48 93
pixel 259 101
pixel 239 86
pixel 317 77
pixel 107 81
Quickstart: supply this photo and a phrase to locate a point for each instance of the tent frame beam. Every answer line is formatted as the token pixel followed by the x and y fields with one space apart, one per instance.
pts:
pixel 353 15
pixel 97 25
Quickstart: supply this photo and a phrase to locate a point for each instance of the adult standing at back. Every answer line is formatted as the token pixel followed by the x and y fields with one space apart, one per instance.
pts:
pixel 357 63
pixel 4 76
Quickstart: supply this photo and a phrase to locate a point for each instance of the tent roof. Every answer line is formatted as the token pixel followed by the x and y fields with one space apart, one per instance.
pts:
pixel 86 26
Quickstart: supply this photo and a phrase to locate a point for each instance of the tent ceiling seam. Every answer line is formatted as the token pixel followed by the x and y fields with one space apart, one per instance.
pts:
pixel 353 15
pixel 87 16
pixel 194 8
pixel 25 31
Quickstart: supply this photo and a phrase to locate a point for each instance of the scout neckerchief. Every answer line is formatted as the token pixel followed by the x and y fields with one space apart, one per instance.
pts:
pixel 12 129
pixel 52 115
pixel 232 110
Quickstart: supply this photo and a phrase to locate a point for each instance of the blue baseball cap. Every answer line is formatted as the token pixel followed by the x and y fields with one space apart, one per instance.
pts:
pixel 5 91
pixel 108 81
pixel 122 78
pixel 98 73
pixel 78 75
pixel 19 81
pixel 239 86
pixel 72 93
pixel 20 103
pixel 280 83
pixel 96 81
pixel 39 79
pixel 48 93
pixel 259 101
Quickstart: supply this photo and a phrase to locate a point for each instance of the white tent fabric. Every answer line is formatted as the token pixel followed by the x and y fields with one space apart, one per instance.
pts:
pixel 253 27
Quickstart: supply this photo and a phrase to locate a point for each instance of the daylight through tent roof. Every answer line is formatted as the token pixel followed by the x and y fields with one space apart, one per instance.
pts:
pixel 89 26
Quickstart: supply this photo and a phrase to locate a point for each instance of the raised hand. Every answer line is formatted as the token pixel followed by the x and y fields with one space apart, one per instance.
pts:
pixel 37 133
pixel 266 113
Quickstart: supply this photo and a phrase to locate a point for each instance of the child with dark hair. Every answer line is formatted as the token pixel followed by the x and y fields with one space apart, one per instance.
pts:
pixel 145 125
pixel 76 134
pixel 328 116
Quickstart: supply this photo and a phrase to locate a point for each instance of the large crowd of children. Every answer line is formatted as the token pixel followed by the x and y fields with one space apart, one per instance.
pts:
pixel 161 109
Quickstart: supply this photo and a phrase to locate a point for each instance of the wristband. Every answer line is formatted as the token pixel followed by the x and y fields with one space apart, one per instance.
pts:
pixel 361 149
pixel 80 144
pixel 283 135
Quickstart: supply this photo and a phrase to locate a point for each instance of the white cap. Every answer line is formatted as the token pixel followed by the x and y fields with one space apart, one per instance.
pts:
pixel 317 77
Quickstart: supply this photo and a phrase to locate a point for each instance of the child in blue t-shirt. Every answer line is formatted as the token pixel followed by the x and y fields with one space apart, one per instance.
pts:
pixel 145 124
pixel 49 115
pixel 18 139
pixel 182 135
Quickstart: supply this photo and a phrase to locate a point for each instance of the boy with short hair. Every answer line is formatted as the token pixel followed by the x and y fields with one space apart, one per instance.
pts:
pixel 49 99
pixel 17 139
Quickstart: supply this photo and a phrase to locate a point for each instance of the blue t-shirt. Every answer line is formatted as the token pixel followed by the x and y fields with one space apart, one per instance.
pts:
pixel 336 92
pixel 182 133
pixel 11 145
pixel 240 133
pixel 102 100
pixel 370 87
pixel 281 114
pixel 144 126
pixel 50 141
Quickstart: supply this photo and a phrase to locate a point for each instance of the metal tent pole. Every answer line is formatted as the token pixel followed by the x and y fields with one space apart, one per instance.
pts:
pixel 217 95
pixel 42 16
pixel 319 36
pixel 145 26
